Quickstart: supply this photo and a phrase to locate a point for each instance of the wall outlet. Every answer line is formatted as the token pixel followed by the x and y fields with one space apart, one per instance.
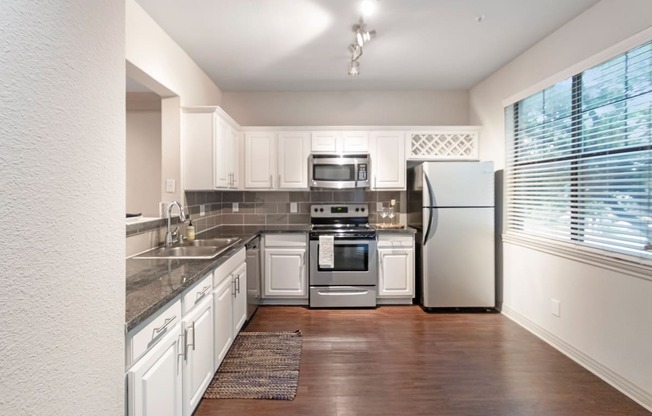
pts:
pixel 170 185
pixel 293 207
pixel 202 210
pixel 235 207
pixel 379 206
pixel 555 307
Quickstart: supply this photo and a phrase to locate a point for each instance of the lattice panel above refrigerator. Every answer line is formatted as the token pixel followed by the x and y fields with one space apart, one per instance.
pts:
pixel 443 145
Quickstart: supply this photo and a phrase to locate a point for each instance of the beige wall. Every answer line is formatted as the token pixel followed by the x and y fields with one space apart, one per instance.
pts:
pixel 144 162
pixel 605 314
pixel 600 27
pixel 342 108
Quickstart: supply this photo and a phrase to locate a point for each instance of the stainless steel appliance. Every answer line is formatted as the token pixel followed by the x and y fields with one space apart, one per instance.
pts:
pixel 451 204
pixel 253 275
pixel 339 171
pixel 352 277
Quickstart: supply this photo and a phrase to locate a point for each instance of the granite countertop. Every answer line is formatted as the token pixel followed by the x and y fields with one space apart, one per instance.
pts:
pixel 403 230
pixel 153 283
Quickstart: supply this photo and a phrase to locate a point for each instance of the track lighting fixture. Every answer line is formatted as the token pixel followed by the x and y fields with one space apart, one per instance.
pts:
pixel 362 36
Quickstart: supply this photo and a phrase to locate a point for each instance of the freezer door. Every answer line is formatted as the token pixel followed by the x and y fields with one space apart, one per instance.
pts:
pixel 458 259
pixel 458 184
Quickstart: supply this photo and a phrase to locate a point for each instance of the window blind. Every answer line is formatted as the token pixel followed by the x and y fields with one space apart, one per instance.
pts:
pixel 579 159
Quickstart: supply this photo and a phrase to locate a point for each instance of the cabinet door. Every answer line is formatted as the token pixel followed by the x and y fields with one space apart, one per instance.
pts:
pixel 293 160
pixel 197 145
pixel 199 354
pixel 355 141
pixel 260 157
pixel 388 160
pixel 324 141
pixel 221 156
pixel 234 158
pixel 240 299
pixel 154 382
pixel 285 272
pixel 396 274
pixel 223 316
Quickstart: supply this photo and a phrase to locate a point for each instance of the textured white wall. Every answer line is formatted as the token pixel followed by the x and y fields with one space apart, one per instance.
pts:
pixel 605 315
pixel 144 162
pixel 155 53
pixel 348 108
pixel 62 168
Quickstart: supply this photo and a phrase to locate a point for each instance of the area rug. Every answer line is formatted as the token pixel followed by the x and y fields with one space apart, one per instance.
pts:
pixel 259 365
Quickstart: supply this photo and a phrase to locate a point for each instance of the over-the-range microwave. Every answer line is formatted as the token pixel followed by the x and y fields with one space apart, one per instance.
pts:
pixel 339 171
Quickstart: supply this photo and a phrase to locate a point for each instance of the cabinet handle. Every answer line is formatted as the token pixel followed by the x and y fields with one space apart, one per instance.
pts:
pixel 180 354
pixel 202 293
pixel 237 284
pixel 234 291
pixel 279 181
pixel 193 336
pixel 167 322
pixel 271 181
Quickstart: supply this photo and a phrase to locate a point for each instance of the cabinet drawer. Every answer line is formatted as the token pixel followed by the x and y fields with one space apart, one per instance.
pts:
pixel 228 267
pixel 395 240
pixel 196 293
pixel 142 339
pixel 285 240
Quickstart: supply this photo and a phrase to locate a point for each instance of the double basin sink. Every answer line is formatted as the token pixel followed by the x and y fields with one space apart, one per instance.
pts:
pixel 203 249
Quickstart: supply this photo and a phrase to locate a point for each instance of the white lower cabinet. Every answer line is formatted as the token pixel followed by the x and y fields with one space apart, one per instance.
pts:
pixel 198 357
pixel 285 266
pixel 239 298
pixel 154 382
pixel 396 268
pixel 172 356
pixel 229 304
pixel 223 310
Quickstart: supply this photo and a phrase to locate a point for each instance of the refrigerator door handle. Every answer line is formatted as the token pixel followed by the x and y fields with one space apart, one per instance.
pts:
pixel 431 212
pixel 432 224
pixel 429 193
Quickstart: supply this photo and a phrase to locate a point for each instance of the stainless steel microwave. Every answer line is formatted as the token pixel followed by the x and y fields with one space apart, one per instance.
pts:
pixel 340 171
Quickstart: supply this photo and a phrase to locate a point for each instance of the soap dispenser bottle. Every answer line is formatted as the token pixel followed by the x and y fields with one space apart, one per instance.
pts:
pixel 190 231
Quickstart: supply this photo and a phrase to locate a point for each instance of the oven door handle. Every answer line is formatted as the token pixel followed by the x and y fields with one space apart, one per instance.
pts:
pixel 346 292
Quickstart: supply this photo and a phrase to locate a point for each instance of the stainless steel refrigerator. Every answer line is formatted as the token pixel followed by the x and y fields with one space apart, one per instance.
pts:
pixel 451 204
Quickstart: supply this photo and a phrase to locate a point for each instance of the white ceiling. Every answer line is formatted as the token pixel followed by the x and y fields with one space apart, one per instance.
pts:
pixel 302 45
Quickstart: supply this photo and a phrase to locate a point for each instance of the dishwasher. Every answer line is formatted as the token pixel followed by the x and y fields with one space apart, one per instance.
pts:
pixel 253 275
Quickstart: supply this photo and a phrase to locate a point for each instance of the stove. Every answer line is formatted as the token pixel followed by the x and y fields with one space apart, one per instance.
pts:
pixel 343 258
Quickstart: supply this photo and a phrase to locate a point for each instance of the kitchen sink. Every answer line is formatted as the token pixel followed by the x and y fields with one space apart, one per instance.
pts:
pixel 214 242
pixel 196 249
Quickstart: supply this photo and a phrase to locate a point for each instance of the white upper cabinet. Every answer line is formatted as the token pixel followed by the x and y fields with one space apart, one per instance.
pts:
pixel 210 149
pixel 387 160
pixel 355 142
pixel 339 142
pixel 260 160
pixel 293 153
pixel 197 144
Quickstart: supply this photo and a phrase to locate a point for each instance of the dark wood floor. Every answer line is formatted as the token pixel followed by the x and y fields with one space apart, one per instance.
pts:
pixel 402 361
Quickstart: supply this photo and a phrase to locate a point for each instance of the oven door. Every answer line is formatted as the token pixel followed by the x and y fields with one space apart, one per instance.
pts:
pixel 355 264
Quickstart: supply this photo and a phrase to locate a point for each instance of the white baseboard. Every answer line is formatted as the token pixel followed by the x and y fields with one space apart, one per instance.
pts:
pixel 284 301
pixel 626 387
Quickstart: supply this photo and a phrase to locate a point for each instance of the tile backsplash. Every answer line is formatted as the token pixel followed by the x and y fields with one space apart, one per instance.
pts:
pixel 273 207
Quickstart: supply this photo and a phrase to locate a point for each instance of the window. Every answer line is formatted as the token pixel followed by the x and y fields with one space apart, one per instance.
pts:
pixel 579 159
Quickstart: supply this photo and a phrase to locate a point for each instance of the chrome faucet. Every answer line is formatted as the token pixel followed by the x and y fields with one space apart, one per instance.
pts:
pixel 182 218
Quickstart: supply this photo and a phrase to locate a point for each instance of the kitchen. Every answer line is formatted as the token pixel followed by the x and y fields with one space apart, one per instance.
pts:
pixel 76 274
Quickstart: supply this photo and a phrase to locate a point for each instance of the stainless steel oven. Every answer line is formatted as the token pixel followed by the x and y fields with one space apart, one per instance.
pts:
pixel 351 278
pixel 340 171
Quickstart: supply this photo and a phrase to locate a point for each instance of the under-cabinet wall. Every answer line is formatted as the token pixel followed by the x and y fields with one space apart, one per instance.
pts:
pixel 276 208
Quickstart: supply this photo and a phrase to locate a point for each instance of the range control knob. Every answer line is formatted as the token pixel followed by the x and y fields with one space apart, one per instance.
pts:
pixel 321 209
pixel 362 209
pixel 357 209
pixel 316 209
